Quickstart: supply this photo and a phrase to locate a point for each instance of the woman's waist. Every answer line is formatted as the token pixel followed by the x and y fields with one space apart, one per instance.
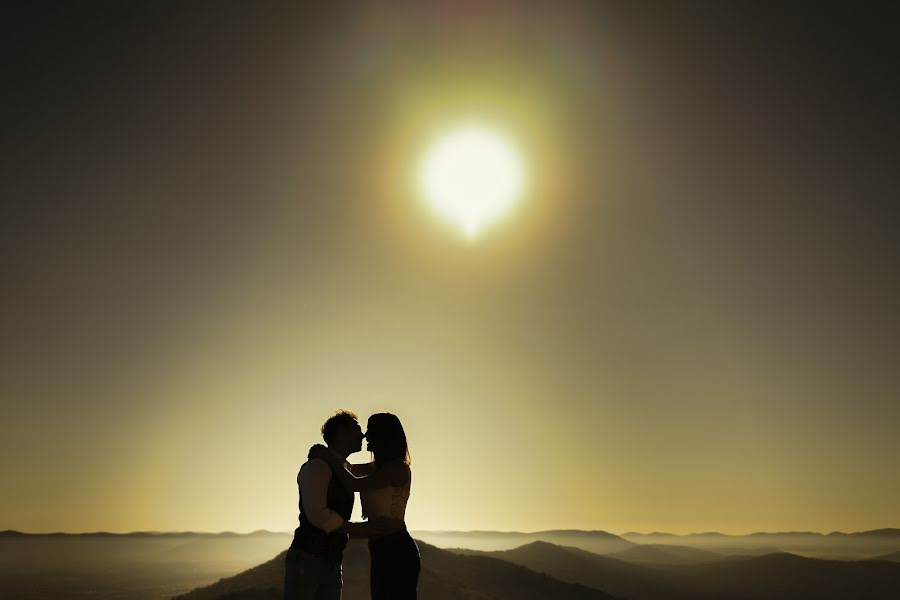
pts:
pixel 373 512
pixel 393 506
pixel 389 539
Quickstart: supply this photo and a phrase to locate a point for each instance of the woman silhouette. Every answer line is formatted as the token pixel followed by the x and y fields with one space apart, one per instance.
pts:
pixel 384 487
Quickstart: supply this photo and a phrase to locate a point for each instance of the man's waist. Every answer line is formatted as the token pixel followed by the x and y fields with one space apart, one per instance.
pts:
pixel 318 543
pixel 307 529
pixel 301 555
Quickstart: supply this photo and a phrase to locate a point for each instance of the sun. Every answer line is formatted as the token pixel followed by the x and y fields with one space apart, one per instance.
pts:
pixel 472 175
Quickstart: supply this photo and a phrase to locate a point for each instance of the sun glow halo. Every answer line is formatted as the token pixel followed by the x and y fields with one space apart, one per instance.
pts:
pixel 472 176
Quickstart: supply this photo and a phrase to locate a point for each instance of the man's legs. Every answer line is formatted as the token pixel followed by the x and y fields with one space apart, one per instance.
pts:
pixel 311 578
pixel 332 584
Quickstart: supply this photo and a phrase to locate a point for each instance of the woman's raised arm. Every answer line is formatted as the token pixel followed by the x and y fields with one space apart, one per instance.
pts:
pixel 393 473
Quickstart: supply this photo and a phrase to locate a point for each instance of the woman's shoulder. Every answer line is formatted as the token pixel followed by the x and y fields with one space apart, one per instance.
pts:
pixel 400 471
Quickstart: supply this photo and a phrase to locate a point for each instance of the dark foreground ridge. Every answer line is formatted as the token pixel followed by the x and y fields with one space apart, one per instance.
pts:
pixel 445 576
pixel 544 570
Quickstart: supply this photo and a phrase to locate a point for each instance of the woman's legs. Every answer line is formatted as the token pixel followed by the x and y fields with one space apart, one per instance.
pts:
pixel 395 567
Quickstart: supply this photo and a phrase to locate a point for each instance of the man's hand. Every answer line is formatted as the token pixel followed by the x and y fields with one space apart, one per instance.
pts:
pixel 357 530
pixel 372 529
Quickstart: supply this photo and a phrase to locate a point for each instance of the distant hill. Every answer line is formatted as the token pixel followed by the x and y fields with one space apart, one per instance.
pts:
pixel 575 565
pixel 134 566
pixel 665 554
pixel 893 557
pixel 771 577
pixel 836 545
pixel 786 576
pixel 228 550
pixel 445 576
pixel 881 533
pixel 600 542
pixel 224 550
pixel 840 546
pixel 11 533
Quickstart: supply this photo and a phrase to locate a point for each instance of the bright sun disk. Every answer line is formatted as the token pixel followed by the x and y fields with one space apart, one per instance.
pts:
pixel 472 176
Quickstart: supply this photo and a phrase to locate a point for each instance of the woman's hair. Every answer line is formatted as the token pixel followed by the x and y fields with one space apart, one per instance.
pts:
pixel 390 439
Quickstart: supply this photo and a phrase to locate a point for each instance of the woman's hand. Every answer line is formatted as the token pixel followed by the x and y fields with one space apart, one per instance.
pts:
pixel 333 459
pixel 320 451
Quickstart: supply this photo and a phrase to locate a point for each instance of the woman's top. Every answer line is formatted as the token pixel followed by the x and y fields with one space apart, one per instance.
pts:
pixel 388 501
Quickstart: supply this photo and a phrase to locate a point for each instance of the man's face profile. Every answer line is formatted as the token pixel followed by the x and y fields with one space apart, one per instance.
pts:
pixel 353 436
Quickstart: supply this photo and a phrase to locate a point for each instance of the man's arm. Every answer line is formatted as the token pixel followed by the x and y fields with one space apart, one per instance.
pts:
pixel 313 479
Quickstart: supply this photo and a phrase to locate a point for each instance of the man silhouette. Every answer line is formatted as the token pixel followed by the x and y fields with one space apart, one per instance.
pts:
pixel 312 567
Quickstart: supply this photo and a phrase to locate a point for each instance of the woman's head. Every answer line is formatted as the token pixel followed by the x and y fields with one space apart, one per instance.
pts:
pixel 386 438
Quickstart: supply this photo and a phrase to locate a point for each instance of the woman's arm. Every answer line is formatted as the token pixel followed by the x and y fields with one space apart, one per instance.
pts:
pixel 393 473
pixel 363 469
pixel 389 474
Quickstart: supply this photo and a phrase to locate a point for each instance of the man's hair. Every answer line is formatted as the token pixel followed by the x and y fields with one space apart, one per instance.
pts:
pixel 331 427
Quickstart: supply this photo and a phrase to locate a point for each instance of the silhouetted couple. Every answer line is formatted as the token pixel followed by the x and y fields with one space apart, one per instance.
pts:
pixel 327 483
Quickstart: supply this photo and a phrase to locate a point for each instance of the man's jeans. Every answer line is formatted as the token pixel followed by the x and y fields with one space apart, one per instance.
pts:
pixel 307 577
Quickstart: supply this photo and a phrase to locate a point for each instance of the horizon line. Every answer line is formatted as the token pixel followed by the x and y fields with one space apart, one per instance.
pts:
pixel 461 531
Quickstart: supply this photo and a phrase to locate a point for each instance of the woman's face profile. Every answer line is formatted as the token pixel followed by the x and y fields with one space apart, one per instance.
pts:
pixel 369 446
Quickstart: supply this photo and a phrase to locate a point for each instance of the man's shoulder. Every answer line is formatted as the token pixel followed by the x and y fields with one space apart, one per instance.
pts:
pixel 315 465
pixel 314 472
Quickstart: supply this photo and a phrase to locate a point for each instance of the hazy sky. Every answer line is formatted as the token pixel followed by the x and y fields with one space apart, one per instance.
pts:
pixel 211 241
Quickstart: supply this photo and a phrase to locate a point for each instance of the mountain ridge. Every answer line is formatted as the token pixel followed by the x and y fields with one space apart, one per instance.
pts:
pixel 881 532
pixel 445 576
pixel 779 575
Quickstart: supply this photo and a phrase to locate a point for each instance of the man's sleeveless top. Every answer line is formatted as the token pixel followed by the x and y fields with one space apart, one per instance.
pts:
pixel 309 538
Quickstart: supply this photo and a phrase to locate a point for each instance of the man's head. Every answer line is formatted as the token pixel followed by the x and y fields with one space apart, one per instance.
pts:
pixel 342 433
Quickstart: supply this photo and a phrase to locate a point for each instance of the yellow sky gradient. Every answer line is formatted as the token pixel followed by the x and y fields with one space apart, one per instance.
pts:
pixel 686 324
